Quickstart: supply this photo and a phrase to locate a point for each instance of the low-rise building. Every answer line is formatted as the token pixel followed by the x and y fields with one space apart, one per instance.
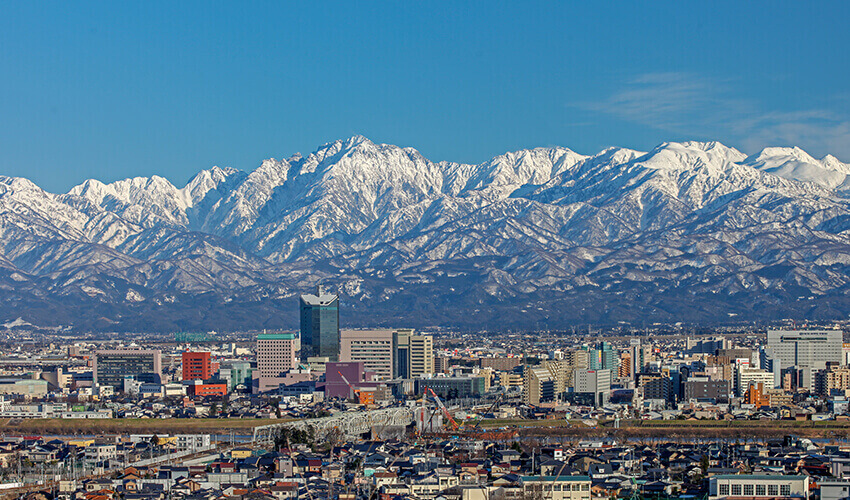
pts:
pixel 752 486
pixel 556 488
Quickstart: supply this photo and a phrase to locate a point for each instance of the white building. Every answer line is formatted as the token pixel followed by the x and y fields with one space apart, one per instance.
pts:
pixel 743 486
pixel 808 350
pixel 745 376
pixel 556 488
pixel 597 382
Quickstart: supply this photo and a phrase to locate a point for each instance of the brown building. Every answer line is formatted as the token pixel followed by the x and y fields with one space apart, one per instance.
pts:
pixel 832 378
pixel 755 396
pixel 500 364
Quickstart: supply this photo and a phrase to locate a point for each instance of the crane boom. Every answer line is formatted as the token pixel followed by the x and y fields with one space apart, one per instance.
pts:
pixel 363 397
pixel 448 415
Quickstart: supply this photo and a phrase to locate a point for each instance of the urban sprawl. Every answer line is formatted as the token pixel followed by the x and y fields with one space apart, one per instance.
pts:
pixel 335 413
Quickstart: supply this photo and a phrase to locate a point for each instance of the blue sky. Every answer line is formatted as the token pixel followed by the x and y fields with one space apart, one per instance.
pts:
pixel 118 89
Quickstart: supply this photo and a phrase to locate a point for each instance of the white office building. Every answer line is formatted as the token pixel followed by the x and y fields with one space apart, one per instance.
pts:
pixel 808 350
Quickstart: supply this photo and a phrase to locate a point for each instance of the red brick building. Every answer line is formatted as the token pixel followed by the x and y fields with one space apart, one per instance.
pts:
pixel 197 366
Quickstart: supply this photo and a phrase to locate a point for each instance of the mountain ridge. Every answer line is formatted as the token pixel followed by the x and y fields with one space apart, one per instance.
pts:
pixel 543 237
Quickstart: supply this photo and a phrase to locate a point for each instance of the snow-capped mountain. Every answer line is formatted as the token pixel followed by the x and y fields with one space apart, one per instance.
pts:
pixel 540 238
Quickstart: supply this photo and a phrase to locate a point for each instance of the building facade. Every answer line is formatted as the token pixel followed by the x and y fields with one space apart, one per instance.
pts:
pixel 697 388
pixel 597 382
pixel 751 486
pixel 807 350
pixel 414 354
pixel 112 366
pixel 452 387
pixel 320 325
pixel 556 487
pixel 197 365
pixel 373 348
pixel 275 358
pixel 538 385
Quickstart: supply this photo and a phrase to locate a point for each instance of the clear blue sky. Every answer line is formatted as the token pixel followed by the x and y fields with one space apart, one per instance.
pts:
pixel 117 89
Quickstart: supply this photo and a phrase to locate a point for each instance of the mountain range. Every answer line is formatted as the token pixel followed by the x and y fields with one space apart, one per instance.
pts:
pixel 543 238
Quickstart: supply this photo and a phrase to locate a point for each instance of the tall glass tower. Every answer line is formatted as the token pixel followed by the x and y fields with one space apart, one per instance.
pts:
pixel 320 325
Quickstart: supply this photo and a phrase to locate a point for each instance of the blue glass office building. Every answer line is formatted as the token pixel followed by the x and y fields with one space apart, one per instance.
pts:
pixel 320 325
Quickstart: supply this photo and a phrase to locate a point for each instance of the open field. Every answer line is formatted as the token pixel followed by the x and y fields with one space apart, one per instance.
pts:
pixel 680 429
pixel 638 429
pixel 131 426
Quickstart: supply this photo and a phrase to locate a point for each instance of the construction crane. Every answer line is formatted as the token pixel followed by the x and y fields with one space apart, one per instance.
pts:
pixel 363 397
pixel 455 425
pixel 477 425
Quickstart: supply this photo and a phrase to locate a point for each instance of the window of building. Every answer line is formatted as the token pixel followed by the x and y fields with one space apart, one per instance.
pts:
pixel 748 490
pixel 723 490
pixel 761 490
pixel 736 490
pixel 785 490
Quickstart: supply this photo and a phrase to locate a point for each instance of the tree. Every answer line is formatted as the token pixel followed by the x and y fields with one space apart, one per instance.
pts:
pixel 275 403
pixel 289 436
pixel 704 464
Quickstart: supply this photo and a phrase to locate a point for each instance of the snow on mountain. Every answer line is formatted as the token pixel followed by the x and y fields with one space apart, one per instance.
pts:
pixel 796 164
pixel 673 233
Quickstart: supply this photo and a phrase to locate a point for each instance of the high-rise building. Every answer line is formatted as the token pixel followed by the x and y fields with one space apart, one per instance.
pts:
pixel 597 382
pixel 414 354
pixel 577 358
pixel 275 357
pixel 640 355
pixel 755 395
pixel 373 348
pixel 320 325
pixel 807 350
pixel 704 388
pixel 833 378
pixel 625 370
pixel 603 357
pixel 197 366
pixel 442 364
pixel 538 385
pixel 501 364
pixel 275 354
pixel 111 366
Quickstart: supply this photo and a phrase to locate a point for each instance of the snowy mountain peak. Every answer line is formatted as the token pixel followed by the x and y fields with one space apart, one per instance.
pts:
pixel 713 157
pixel 695 226
pixel 784 153
pixel 18 185
pixel 797 165
pixel 616 156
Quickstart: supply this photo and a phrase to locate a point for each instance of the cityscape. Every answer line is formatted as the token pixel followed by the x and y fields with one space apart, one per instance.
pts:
pixel 443 250
pixel 330 412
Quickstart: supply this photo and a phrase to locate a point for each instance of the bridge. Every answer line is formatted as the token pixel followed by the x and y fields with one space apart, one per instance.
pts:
pixel 352 424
